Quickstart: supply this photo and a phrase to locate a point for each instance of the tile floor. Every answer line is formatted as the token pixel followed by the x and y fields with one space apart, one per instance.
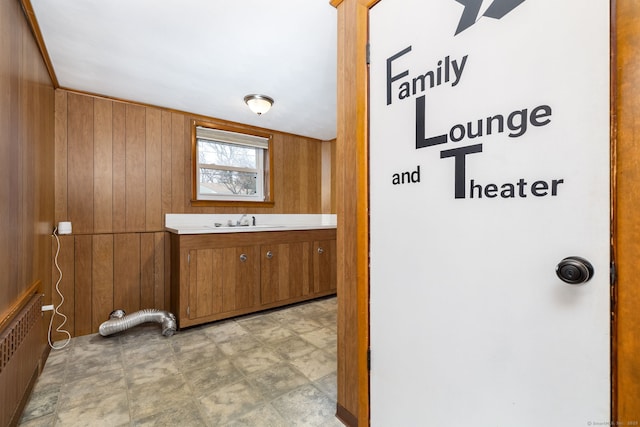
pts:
pixel 276 368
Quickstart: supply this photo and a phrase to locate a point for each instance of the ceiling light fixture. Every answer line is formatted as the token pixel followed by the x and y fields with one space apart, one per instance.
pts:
pixel 259 104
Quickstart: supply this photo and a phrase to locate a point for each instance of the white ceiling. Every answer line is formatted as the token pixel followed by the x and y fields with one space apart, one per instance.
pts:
pixel 201 56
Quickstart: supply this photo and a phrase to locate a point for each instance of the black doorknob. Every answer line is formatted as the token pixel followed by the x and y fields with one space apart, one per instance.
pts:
pixel 574 270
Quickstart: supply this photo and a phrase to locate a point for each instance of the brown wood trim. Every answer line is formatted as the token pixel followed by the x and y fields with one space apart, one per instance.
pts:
pixel 626 199
pixel 10 313
pixel 613 82
pixel 268 168
pixel 362 211
pixel 27 8
pixel 346 417
pixel 15 419
pixel 367 3
pixel 352 208
pixel 231 204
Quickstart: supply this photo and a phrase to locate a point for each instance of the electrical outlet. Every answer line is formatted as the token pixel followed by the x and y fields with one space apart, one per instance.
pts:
pixel 47 307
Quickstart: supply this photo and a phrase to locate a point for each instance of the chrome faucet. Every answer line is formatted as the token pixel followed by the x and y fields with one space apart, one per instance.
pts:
pixel 240 220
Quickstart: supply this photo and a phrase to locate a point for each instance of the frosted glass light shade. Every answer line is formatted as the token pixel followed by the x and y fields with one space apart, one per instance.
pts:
pixel 259 104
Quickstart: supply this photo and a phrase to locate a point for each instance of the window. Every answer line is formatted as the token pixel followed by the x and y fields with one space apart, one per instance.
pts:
pixel 230 166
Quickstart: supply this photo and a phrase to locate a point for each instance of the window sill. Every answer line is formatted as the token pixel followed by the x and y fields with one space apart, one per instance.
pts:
pixel 234 203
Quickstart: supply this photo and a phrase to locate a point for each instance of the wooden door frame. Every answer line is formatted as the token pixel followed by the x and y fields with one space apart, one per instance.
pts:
pixel 353 223
pixel 625 171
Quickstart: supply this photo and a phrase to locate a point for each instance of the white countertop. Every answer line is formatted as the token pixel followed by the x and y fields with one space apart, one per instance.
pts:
pixel 218 223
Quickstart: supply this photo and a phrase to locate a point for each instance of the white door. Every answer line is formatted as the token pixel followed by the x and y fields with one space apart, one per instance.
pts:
pixel 489 164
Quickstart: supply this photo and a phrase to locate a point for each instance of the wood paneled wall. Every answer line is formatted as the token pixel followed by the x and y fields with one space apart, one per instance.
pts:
pixel 102 272
pixel 329 177
pixel 120 167
pixel 26 188
pixel 26 158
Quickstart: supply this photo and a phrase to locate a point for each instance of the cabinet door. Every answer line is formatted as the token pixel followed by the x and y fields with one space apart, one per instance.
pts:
pixel 241 280
pixel 205 282
pixel 222 280
pixel 324 266
pixel 285 271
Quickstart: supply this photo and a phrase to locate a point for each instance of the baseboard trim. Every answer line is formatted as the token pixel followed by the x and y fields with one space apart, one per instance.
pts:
pixel 17 414
pixel 346 417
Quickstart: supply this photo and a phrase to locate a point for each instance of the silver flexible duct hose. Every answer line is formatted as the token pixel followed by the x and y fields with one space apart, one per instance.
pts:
pixel 119 322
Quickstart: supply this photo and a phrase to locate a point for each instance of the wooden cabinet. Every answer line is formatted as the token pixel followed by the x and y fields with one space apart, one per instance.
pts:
pixel 285 271
pixel 324 266
pixel 222 280
pixel 220 275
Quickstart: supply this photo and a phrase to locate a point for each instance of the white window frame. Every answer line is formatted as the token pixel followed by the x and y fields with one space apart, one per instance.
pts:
pixel 260 142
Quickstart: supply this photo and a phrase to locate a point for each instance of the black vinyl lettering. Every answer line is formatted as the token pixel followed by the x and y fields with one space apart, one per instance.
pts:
pixel 460 165
pixel 390 78
pixel 421 141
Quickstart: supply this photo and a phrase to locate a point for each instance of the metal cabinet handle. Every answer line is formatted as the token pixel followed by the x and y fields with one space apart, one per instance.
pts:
pixel 269 254
pixel 243 257
pixel 320 251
